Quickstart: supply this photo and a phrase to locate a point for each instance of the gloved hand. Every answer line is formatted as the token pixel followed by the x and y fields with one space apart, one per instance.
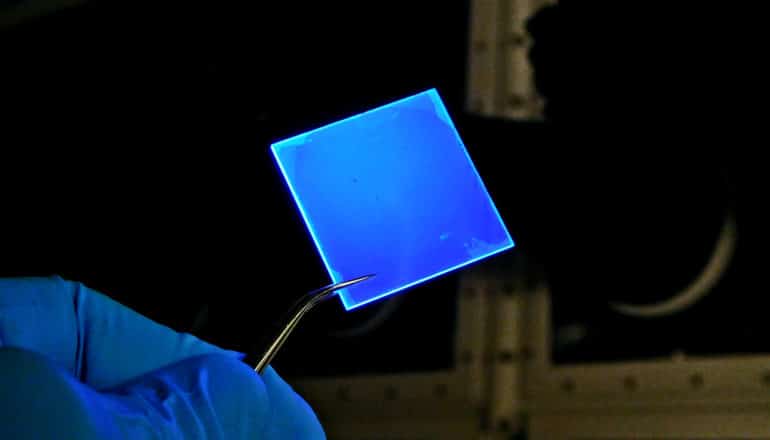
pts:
pixel 75 364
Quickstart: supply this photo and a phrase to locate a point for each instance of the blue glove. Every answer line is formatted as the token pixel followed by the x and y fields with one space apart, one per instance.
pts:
pixel 75 364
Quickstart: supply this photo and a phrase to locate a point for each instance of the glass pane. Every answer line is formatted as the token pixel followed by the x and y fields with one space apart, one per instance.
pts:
pixel 393 192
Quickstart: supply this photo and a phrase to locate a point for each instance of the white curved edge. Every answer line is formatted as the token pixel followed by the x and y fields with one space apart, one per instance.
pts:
pixel 699 287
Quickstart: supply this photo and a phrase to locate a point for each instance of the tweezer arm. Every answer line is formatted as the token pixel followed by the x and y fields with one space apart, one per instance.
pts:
pixel 300 308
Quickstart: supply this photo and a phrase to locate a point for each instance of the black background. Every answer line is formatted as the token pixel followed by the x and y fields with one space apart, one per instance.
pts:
pixel 135 158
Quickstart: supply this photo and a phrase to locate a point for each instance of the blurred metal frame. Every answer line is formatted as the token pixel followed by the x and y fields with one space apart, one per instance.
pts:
pixel 672 398
pixel 451 404
pixel 499 75
pixel 504 385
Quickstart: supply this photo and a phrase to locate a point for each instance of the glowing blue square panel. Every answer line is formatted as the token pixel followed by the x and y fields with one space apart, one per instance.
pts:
pixel 393 192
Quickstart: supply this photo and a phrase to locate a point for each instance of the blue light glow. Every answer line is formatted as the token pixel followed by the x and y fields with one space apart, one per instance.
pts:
pixel 391 191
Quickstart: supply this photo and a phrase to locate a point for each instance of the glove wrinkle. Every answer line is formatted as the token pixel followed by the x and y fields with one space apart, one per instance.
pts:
pixel 81 343
pixel 75 364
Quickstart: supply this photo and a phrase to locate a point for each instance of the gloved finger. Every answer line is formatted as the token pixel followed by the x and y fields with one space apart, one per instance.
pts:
pixel 210 396
pixel 215 396
pixel 291 417
pixel 96 339
pixel 38 399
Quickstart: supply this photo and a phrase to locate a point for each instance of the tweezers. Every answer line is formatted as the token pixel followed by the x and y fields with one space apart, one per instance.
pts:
pixel 295 314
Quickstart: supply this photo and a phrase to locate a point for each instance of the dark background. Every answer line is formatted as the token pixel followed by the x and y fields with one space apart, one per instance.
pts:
pixel 134 158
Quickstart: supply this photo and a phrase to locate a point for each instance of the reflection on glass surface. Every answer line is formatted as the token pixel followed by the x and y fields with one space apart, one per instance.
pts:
pixel 391 191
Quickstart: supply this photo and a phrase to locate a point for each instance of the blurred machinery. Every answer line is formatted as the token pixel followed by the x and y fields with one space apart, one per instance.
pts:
pixel 677 397
pixel 632 307
pixel 503 382
pixel 477 392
